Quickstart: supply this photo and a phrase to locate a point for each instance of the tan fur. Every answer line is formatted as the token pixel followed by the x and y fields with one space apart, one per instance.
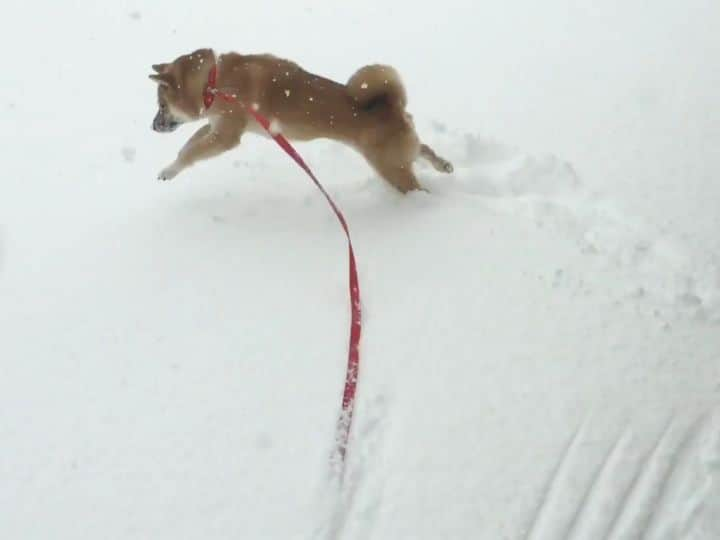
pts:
pixel 371 82
pixel 367 114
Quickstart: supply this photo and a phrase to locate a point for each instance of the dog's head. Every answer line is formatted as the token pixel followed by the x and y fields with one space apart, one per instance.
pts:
pixel 180 88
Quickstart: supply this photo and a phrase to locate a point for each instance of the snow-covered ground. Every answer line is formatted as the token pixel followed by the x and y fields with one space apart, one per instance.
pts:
pixel 541 348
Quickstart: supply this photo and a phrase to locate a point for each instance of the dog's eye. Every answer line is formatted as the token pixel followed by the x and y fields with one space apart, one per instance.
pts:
pixel 163 107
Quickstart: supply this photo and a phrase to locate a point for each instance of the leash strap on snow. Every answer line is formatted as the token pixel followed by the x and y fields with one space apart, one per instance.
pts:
pixel 351 376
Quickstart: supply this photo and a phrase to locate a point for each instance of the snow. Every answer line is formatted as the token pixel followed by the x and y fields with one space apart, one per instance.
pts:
pixel 541 344
pixel 128 153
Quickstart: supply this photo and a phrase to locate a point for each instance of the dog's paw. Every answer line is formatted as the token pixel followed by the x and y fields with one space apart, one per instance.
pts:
pixel 168 173
pixel 442 165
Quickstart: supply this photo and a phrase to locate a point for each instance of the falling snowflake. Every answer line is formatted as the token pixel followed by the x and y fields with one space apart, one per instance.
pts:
pixel 275 127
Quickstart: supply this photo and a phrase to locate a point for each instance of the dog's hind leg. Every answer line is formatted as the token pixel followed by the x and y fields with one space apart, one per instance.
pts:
pixel 392 150
pixel 436 161
pixel 399 175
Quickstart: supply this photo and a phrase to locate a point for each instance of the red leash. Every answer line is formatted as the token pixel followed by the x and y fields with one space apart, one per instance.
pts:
pixel 348 401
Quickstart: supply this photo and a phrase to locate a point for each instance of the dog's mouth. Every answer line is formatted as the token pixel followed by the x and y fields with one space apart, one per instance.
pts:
pixel 165 127
pixel 164 123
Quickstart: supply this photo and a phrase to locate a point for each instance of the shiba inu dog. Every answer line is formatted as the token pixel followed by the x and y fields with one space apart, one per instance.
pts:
pixel 368 113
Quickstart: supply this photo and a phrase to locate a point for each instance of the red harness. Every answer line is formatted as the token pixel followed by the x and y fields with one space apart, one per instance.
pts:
pixel 351 376
pixel 211 90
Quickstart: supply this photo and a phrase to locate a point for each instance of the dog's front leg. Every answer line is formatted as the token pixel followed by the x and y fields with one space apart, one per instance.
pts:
pixel 209 141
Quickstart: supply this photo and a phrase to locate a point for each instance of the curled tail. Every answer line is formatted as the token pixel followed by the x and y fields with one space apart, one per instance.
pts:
pixel 374 85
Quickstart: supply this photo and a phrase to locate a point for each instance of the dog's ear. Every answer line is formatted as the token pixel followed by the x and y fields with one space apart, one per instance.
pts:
pixel 159 68
pixel 164 79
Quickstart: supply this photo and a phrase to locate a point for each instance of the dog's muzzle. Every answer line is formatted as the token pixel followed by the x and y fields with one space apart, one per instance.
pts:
pixel 163 124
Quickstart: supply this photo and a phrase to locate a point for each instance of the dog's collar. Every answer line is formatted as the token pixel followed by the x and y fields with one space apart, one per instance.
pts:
pixel 210 88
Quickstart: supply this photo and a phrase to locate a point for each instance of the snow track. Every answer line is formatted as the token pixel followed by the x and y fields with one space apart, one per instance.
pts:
pixel 632 493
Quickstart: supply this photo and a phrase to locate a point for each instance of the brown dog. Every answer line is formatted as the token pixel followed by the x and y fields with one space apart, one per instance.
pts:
pixel 367 114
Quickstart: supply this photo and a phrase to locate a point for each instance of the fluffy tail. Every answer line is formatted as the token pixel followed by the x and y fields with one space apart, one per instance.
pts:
pixel 374 85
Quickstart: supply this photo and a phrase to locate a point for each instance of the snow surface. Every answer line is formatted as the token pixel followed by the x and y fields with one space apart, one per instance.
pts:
pixel 541 347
